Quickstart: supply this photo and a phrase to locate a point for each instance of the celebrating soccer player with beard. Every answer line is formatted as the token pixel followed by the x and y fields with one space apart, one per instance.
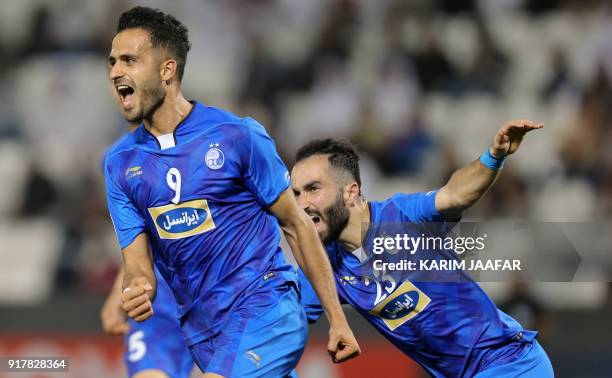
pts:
pixel 442 320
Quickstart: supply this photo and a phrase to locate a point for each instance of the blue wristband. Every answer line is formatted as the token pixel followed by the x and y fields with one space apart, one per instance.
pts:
pixel 491 161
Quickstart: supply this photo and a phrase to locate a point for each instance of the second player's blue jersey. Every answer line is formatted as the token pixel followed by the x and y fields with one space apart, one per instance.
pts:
pixel 201 195
pixel 444 321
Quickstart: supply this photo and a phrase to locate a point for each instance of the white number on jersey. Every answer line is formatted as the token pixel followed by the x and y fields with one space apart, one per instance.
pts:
pixel 136 346
pixel 173 178
pixel 380 289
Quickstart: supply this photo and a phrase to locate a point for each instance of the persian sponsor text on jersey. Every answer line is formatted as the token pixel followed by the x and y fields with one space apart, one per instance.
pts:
pixel 182 220
pixel 406 302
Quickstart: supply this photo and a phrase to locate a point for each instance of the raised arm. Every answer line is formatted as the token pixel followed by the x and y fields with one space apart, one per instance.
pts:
pixel 139 282
pixel 468 184
pixel 310 255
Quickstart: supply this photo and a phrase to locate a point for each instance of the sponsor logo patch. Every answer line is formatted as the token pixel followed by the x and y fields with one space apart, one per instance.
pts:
pixel 351 280
pixel 133 172
pixel 253 357
pixel 406 302
pixel 182 220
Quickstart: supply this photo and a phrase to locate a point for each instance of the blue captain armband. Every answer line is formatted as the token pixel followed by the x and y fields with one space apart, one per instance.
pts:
pixel 491 161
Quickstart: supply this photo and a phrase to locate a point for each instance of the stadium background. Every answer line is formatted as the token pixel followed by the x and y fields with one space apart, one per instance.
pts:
pixel 421 86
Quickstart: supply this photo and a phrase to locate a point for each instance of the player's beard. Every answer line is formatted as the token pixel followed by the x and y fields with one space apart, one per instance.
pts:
pixel 152 98
pixel 337 218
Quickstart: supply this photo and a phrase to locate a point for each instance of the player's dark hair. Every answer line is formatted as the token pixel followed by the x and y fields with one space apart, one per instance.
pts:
pixel 164 30
pixel 342 155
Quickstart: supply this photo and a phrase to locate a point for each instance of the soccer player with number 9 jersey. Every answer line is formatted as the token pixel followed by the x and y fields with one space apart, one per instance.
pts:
pixel 200 192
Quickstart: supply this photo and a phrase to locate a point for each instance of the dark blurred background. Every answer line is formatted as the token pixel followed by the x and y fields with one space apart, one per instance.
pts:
pixel 420 86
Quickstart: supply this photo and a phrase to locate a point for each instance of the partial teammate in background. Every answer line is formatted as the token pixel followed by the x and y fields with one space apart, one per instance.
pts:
pixel 155 348
pixel 198 191
pixel 441 319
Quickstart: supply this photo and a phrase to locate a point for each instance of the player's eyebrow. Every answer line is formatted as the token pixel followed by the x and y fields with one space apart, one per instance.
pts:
pixel 311 184
pixel 308 185
pixel 122 57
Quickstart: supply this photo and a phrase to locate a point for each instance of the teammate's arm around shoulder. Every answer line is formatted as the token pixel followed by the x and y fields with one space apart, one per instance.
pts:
pixel 310 255
pixel 139 282
pixel 468 184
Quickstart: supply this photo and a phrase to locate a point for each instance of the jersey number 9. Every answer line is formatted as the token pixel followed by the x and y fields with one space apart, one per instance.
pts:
pixel 173 178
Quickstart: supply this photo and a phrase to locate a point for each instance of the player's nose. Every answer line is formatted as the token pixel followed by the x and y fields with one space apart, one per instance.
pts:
pixel 115 72
pixel 309 208
pixel 302 201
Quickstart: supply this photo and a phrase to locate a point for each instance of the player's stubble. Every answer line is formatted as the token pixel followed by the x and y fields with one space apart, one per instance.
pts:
pixel 153 96
pixel 337 217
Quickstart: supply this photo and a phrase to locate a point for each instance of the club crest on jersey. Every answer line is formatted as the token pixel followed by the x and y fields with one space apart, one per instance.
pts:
pixel 182 220
pixel 406 302
pixel 214 158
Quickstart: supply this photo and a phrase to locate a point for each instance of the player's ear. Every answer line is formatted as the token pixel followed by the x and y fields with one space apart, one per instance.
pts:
pixel 168 70
pixel 351 193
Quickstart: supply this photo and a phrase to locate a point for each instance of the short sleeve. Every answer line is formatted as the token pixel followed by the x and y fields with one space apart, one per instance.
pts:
pixel 421 208
pixel 310 301
pixel 127 220
pixel 266 175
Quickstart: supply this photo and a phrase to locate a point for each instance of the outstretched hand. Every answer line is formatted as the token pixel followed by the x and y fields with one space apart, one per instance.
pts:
pixel 509 137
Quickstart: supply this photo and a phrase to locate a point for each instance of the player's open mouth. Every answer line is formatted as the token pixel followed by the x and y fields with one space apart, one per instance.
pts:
pixel 125 94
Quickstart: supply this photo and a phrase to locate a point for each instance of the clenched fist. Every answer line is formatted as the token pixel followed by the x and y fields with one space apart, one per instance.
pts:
pixel 136 299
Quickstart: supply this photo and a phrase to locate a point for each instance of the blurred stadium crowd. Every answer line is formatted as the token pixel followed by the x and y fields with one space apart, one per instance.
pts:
pixel 420 85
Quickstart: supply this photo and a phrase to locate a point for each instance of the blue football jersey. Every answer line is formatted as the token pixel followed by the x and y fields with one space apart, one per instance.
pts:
pixel 201 196
pixel 165 303
pixel 441 319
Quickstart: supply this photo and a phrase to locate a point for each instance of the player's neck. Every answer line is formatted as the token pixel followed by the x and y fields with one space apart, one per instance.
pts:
pixel 351 237
pixel 169 114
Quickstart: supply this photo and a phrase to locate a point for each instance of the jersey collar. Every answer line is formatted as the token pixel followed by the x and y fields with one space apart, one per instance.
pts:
pixel 181 132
